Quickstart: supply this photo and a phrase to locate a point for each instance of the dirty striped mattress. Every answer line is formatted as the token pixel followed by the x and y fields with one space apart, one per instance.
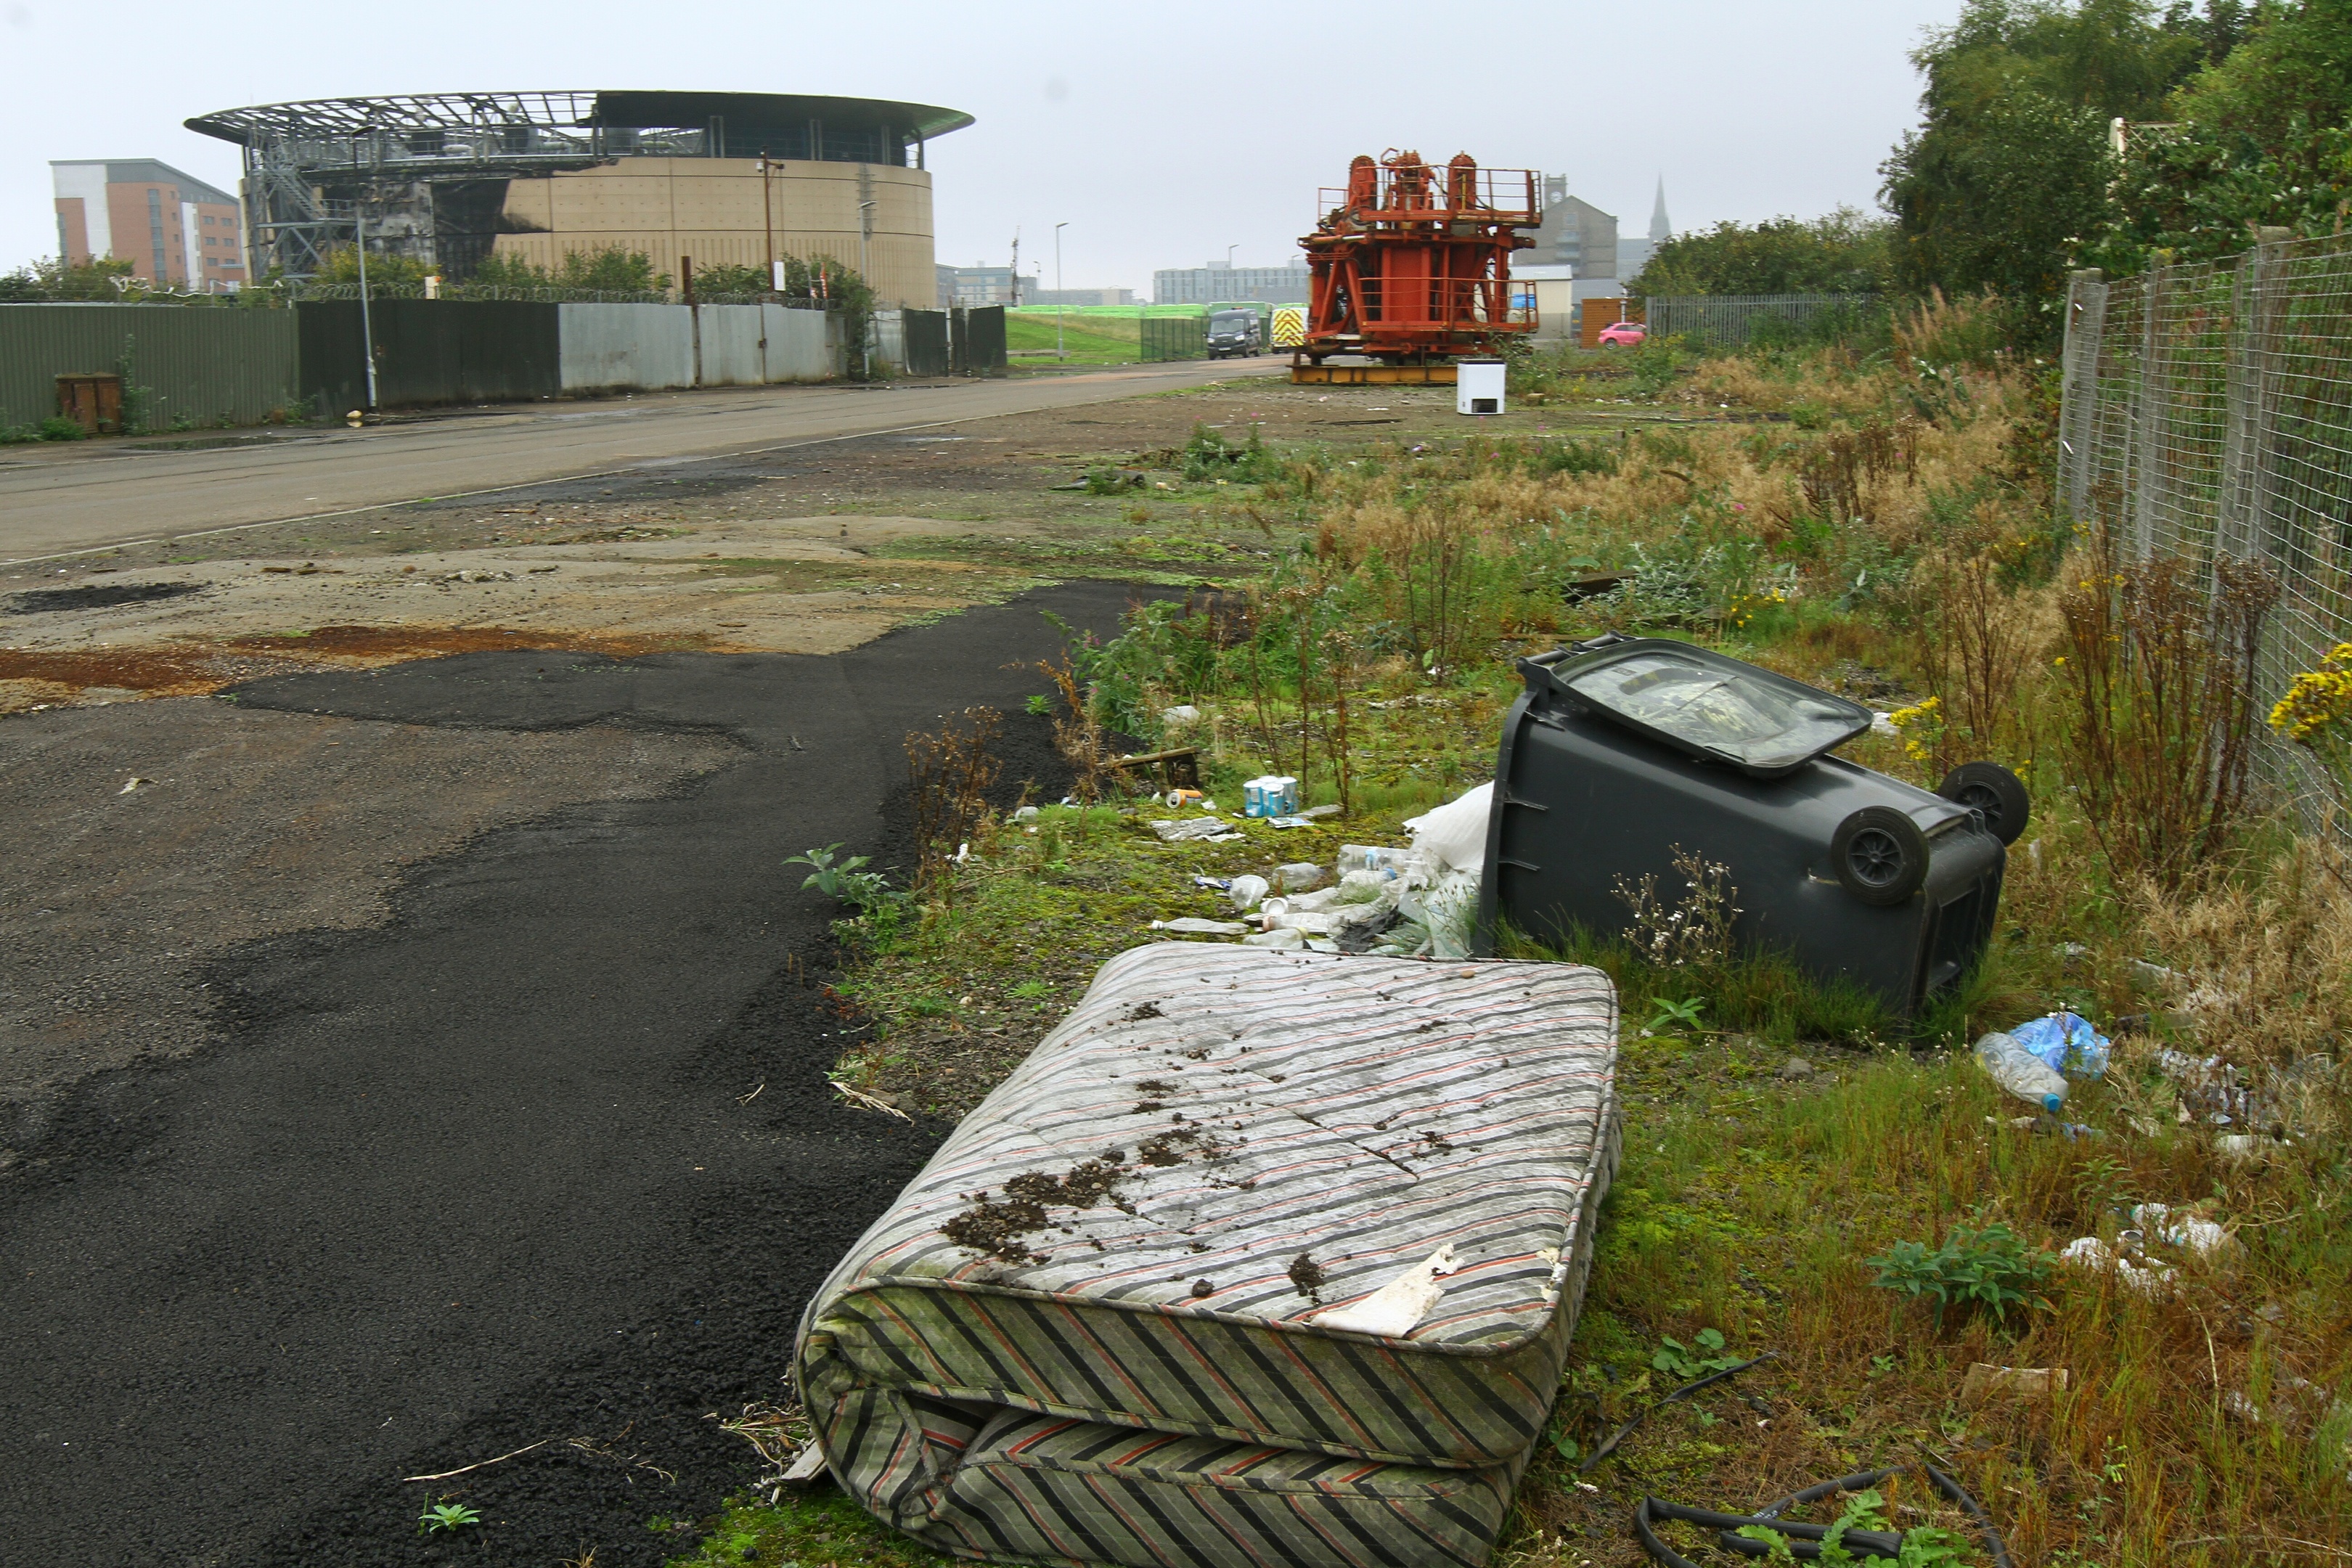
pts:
pixel 1260 1256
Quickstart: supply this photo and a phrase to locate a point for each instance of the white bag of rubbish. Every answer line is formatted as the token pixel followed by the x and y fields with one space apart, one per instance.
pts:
pixel 1449 861
pixel 1455 832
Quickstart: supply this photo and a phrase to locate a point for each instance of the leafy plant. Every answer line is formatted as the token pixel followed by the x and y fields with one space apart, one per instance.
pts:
pixel 1040 705
pixel 1209 456
pixel 867 891
pixel 1988 1268
pixel 1923 1546
pixel 58 427
pixel 445 1516
pixel 1668 1014
pixel 1682 1363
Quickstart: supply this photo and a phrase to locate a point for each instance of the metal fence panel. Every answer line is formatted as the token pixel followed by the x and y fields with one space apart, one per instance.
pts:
pixel 1170 338
pixel 1727 319
pixel 181 365
pixel 732 352
pixel 886 340
pixel 926 340
pixel 430 352
pixel 980 346
pixel 2208 412
pixel 643 347
pixel 799 345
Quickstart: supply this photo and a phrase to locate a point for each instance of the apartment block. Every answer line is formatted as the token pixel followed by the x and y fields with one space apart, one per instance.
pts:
pixel 173 228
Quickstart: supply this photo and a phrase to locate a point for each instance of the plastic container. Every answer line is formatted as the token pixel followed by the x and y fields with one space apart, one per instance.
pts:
pixel 1270 795
pixel 2017 1069
pixel 1623 750
pixel 1245 890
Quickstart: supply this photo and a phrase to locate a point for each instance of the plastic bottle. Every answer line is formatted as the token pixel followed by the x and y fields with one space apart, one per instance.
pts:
pixel 2020 1072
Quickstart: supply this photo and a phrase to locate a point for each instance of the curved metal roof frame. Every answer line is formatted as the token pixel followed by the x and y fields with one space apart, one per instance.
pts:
pixel 561 111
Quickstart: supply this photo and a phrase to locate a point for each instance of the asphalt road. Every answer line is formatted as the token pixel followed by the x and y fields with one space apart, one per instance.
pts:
pixel 58 501
pixel 491 1175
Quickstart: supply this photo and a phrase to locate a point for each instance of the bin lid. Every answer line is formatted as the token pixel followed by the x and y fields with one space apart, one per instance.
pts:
pixel 1711 705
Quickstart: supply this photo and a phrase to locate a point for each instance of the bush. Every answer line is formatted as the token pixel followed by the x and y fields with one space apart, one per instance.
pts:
pixel 1989 1269
pixel 58 427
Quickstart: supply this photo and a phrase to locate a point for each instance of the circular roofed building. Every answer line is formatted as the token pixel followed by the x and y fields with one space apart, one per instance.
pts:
pixel 721 177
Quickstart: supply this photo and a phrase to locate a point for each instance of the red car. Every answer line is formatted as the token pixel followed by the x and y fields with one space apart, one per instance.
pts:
pixel 1623 334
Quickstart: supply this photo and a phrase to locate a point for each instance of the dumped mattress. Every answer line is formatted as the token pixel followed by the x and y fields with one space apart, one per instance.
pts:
pixel 1260 1257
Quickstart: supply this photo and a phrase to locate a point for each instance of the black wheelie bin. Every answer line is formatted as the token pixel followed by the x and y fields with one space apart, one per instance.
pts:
pixel 1623 750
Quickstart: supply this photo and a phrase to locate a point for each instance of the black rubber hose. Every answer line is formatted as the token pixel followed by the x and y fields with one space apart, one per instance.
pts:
pixel 1650 1542
pixel 1861 1480
pixel 1610 1444
pixel 1802 1537
pixel 1958 1494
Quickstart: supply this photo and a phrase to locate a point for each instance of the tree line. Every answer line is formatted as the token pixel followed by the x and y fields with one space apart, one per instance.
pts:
pixel 2234 118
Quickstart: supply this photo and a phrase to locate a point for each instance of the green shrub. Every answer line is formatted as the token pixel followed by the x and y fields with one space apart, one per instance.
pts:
pixel 1989 1269
pixel 58 427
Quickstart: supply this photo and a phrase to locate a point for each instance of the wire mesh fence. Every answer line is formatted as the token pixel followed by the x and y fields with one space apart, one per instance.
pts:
pixel 1727 320
pixel 2208 413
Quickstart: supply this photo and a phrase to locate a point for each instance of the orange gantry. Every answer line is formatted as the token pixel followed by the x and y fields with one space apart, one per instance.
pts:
pixel 1411 263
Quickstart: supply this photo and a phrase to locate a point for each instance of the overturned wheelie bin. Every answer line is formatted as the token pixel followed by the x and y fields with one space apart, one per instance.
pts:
pixel 1624 751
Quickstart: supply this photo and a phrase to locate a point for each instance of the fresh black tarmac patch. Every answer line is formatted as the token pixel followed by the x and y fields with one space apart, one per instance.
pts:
pixel 96 597
pixel 488 1176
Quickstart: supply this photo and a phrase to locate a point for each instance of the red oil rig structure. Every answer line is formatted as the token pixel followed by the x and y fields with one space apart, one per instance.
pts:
pixel 1411 266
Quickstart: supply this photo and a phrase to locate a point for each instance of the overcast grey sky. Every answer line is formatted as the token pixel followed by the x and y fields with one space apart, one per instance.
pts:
pixel 1161 133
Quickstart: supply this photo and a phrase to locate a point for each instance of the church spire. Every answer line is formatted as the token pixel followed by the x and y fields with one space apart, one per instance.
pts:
pixel 1661 231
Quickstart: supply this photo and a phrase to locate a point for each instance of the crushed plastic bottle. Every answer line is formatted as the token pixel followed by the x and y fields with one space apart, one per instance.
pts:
pixel 1245 891
pixel 2020 1072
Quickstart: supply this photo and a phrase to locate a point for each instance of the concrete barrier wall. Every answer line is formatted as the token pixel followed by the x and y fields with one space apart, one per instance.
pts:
pixel 643 347
pixel 802 345
pixel 732 353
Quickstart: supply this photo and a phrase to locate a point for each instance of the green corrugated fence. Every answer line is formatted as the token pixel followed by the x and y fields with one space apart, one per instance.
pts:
pixel 182 367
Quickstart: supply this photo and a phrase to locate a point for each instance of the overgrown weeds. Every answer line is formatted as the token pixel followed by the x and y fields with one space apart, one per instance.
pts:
pixel 2159 674
pixel 950 773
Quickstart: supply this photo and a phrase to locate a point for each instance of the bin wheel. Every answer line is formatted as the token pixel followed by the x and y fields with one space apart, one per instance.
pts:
pixel 1993 790
pixel 1880 854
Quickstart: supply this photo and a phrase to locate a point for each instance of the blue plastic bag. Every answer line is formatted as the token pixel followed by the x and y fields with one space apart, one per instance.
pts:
pixel 2067 1042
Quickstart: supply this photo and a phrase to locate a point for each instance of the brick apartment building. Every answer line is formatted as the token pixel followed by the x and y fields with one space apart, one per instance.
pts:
pixel 171 227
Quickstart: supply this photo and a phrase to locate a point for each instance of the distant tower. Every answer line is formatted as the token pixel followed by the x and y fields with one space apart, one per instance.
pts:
pixel 1661 231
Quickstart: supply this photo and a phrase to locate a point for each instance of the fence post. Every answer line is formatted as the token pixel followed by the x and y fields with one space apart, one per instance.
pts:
pixel 2234 532
pixel 2086 321
pixel 2140 468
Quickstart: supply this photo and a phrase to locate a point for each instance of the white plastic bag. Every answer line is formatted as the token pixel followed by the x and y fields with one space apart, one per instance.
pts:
pixel 1455 832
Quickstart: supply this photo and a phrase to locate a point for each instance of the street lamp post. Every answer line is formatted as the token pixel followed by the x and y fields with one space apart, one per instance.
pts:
pixel 1059 352
pixel 367 325
pixel 768 221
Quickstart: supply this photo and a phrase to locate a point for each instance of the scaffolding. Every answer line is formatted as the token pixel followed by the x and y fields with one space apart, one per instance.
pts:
pixel 425 173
